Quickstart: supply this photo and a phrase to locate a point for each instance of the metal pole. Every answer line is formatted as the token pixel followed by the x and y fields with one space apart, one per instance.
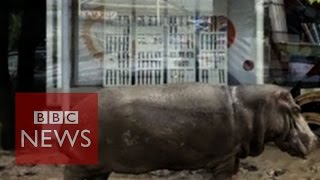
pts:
pixel 197 44
pixel 50 43
pixel 158 12
pixel 65 40
pixel 66 44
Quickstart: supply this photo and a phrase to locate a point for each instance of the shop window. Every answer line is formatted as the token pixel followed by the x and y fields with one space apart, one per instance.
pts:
pixel 145 42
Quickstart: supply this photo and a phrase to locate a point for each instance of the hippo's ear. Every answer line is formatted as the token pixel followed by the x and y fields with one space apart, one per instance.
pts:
pixel 283 98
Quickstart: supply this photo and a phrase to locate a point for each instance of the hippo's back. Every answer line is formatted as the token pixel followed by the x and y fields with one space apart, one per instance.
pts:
pixel 172 127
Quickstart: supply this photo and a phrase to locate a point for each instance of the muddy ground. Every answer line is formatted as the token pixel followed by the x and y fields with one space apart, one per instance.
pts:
pixel 271 165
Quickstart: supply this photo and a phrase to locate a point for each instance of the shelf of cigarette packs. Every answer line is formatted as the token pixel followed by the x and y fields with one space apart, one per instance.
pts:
pixel 117 59
pixel 213 55
pixel 181 50
pixel 149 61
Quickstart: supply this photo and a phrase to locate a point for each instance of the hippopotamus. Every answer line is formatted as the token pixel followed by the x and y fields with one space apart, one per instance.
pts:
pixel 193 126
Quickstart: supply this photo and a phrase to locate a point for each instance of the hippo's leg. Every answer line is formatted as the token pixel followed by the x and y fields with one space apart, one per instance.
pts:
pixel 226 170
pixel 222 177
pixel 85 173
pixel 236 169
pixel 236 166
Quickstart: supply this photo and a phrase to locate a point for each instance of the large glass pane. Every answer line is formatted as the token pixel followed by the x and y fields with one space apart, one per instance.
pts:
pixel 145 42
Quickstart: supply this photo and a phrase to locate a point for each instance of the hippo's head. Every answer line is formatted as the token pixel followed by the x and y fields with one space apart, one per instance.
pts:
pixel 289 129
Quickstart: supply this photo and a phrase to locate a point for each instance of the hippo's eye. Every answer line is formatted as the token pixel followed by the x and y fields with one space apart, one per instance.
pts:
pixel 296 110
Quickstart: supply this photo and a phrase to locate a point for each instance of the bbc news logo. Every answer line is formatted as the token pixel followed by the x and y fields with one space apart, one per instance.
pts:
pixel 63 133
pixel 54 118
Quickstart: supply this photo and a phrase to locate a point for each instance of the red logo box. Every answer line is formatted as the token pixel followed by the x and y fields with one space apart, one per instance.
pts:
pixel 57 128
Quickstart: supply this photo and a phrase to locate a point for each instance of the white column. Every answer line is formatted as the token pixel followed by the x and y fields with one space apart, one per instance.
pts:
pixel 259 4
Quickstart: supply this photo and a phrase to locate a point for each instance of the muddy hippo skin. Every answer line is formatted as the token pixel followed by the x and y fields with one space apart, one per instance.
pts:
pixel 193 126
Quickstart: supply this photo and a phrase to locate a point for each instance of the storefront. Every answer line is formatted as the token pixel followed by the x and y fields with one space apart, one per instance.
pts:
pixel 151 42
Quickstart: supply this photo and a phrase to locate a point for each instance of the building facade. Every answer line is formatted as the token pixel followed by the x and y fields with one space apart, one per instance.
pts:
pixel 151 42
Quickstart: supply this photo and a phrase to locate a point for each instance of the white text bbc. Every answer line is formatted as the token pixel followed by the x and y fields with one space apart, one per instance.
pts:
pixel 56 117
